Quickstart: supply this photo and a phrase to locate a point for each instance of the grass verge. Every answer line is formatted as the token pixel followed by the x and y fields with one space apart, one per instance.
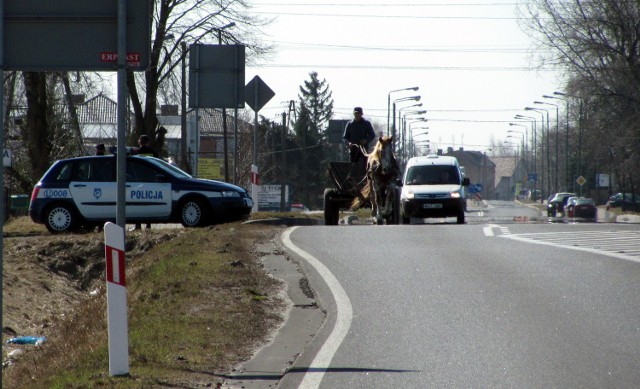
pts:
pixel 198 305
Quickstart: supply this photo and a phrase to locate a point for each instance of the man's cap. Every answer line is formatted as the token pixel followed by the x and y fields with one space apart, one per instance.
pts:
pixel 357 109
pixel 100 146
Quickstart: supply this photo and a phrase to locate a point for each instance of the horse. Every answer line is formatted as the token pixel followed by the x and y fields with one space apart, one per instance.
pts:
pixel 382 171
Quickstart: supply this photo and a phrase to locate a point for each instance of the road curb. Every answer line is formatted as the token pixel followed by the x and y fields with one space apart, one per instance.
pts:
pixel 302 321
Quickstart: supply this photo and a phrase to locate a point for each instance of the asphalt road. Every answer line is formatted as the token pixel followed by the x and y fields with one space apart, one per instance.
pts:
pixel 483 305
pixel 502 301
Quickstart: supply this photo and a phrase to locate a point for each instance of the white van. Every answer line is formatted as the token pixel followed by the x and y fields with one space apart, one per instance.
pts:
pixel 433 186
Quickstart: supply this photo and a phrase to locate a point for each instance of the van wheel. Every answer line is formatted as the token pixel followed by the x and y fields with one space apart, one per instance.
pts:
pixel 461 216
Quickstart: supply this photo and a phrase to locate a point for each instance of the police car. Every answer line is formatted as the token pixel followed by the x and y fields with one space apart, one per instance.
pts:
pixel 82 191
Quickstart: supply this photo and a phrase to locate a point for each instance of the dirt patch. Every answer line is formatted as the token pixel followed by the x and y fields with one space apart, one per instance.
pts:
pixel 45 276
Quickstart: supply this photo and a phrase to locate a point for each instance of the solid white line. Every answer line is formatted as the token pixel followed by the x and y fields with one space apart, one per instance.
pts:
pixel 344 316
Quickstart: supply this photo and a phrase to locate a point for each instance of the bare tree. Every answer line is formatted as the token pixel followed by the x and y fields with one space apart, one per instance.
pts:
pixel 597 44
pixel 191 22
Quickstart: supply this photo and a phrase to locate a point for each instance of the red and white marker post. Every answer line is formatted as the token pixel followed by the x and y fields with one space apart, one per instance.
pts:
pixel 116 300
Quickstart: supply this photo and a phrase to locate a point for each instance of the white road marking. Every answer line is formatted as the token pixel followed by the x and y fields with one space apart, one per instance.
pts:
pixel 344 316
pixel 621 245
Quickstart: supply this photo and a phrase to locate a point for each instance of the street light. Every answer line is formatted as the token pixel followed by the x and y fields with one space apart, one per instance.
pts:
pixel 557 138
pixel 393 133
pixel 534 139
pixel 539 110
pixel 410 106
pixel 403 127
pixel 422 121
pixel 566 143
pixel 414 88
pixel 524 143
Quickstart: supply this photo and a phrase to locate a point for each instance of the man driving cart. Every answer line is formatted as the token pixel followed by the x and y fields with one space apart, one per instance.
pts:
pixel 358 132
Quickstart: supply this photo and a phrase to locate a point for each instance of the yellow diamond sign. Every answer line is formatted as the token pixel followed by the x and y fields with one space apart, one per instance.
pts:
pixel 581 180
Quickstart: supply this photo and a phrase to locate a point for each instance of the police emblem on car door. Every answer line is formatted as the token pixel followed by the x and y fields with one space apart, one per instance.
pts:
pixel 93 188
pixel 148 192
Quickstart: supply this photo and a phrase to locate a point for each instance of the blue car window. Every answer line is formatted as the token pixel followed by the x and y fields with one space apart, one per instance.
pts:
pixel 103 170
pixel 141 172
pixel 64 173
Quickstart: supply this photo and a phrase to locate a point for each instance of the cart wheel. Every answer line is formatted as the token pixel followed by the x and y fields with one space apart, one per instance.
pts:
pixel 331 209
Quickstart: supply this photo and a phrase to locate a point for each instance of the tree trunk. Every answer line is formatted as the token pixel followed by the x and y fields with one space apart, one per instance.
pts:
pixel 36 130
pixel 75 123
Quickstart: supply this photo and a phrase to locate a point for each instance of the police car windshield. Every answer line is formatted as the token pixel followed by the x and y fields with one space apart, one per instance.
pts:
pixel 171 169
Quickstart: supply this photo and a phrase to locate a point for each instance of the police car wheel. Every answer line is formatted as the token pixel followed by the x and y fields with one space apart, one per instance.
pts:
pixel 192 213
pixel 60 218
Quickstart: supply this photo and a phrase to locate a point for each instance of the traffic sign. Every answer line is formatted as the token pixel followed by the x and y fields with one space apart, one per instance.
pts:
pixel 6 158
pixel 257 93
pixel 216 76
pixel 581 180
pixel 66 35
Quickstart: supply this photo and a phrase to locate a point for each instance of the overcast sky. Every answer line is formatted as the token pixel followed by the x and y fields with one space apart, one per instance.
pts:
pixel 470 59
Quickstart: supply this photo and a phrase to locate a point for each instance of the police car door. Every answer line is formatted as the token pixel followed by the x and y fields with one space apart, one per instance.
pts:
pixel 93 188
pixel 148 191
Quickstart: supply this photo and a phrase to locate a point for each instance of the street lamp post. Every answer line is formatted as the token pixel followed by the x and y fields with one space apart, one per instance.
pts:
pixel 411 136
pixel 566 143
pixel 403 133
pixel 538 110
pixel 524 144
pixel 399 114
pixel 393 128
pixel 414 88
pixel 557 138
pixel 534 140
pixel 580 106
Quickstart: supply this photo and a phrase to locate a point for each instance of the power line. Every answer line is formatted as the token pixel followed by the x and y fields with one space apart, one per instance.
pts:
pixel 390 4
pixel 408 67
pixel 506 18
pixel 448 49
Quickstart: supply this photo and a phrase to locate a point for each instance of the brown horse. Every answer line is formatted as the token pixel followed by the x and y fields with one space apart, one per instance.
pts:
pixel 382 171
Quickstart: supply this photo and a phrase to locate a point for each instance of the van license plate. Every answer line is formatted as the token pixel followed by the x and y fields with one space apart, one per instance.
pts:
pixel 431 206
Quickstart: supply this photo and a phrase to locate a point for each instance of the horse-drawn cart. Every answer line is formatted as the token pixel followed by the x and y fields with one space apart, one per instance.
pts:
pixel 349 180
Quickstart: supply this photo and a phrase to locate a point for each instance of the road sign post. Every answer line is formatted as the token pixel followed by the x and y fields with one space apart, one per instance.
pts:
pixel 257 93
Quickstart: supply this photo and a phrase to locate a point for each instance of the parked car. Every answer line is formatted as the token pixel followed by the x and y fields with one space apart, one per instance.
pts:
pixel 568 208
pixel 624 201
pixel 82 191
pixel 585 208
pixel 523 194
pixel 535 195
pixel 557 202
pixel 298 208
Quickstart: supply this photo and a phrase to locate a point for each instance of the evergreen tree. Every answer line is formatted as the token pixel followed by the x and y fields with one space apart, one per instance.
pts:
pixel 315 108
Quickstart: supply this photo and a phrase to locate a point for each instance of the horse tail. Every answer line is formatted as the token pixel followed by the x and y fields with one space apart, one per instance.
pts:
pixel 361 198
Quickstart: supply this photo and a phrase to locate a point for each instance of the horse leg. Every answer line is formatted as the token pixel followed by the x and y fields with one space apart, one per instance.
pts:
pixel 372 200
pixel 378 201
pixel 390 201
